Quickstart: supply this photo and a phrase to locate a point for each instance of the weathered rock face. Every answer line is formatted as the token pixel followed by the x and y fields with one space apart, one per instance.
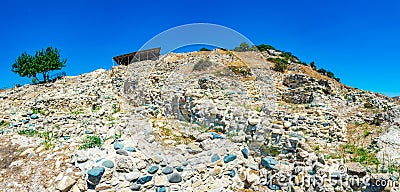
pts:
pixel 301 88
pixel 226 123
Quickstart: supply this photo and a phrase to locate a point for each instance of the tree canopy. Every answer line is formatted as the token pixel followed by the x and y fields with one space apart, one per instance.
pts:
pixel 43 62
pixel 245 47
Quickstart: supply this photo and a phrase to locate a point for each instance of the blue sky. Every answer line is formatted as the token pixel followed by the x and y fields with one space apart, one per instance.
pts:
pixel 357 40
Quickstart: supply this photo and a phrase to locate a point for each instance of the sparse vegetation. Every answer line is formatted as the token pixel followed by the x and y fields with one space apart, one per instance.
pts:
pixel 4 124
pixel 37 111
pixel 333 156
pixel 270 150
pixel 368 105
pixel 258 108
pixel 76 112
pixel 115 136
pixel 91 141
pixel 280 64
pixel 316 148
pixel 242 71
pixel 366 132
pixel 360 154
pixel 289 57
pixel 49 138
pixel 116 108
pixel 28 132
pixel 96 108
pixel 202 65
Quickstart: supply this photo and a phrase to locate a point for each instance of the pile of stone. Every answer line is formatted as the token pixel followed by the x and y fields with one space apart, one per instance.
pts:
pixel 166 127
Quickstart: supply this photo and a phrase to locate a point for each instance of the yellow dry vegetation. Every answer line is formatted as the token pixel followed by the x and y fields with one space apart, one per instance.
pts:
pixel 312 73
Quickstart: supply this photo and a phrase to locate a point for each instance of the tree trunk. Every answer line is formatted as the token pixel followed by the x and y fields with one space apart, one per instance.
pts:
pixel 45 77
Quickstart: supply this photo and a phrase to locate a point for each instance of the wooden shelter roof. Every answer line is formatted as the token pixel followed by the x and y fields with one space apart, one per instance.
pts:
pixel 126 59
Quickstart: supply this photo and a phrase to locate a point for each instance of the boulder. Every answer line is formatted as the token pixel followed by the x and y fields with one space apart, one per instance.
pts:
pixel 175 178
pixel 95 174
pixel 269 162
pixel 229 158
pixel 355 168
pixel 65 184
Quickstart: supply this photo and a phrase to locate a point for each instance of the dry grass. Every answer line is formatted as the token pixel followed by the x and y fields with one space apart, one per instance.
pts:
pixel 312 73
pixel 362 135
pixel 33 172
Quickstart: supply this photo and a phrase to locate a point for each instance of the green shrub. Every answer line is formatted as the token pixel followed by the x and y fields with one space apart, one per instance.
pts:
pixel 366 132
pixel 48 139
pixel 330 74
pixel 289 56
pixel 35 111
pixel 313 66
pixel 116 108
pixel 322 71
pixel 29 132
pixel 264 47
pixel 368 105
pixel 280 64
pixel 91 141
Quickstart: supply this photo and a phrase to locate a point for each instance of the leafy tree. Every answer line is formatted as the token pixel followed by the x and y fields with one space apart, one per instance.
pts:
pixel 245 47
pixel 43 62
pixel 24 66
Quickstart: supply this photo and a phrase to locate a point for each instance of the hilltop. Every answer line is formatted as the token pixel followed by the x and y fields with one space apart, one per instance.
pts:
pixel 200 121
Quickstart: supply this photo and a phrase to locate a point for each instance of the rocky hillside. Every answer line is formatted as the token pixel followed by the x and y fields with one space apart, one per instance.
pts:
pixel 201 121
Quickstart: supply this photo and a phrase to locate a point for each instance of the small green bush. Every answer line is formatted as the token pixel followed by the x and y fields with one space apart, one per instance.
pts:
pixel 313 66
pixel 264 47
pixel 366 132
pixel 116 108
pixel 368 105
pixel 91 141
pixel 280 64
pixel 48 139
pixel 35 111
pixel 29 132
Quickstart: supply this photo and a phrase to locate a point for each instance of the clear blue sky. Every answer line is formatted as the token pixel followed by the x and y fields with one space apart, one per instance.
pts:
pixel 357 40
